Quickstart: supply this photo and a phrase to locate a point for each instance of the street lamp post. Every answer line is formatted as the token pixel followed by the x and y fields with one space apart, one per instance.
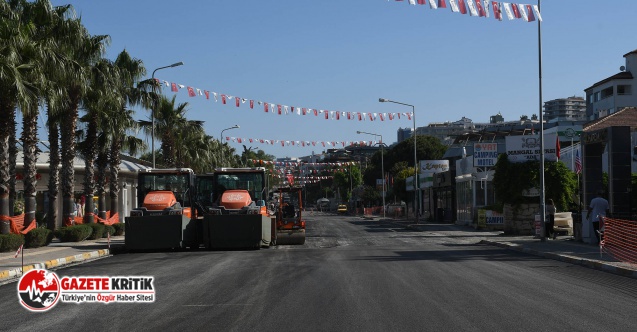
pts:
pixel 382 164
pixel 221 140
pixel 152 112
pixel 417 182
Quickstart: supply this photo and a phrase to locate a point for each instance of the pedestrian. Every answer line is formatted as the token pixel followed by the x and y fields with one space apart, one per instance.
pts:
pixel 550 219
pixel 598 209
pixel 78 208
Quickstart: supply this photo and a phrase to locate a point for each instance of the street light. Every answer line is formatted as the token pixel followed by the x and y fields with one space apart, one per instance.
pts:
pixel 382 164
pixel 417 184
pixel 152 112
pixel 221 139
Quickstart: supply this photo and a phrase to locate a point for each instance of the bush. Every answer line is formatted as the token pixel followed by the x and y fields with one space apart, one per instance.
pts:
pixel 119 228
pixel 74 233
pixel 108 229
pixel 10 242
pixel 38 237
pixel 98 231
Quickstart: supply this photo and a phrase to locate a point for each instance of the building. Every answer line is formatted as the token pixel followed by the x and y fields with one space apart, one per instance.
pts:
pixel 613 93
pixel 565 109
pixel 404 133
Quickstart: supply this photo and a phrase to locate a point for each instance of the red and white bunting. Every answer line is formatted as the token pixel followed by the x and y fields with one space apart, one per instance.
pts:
pixel 480 8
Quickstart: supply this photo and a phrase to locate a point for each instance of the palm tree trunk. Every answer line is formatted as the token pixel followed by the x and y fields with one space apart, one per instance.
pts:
pixel 102 162
pixel 30 154
pixel 4 164
pixel 90 151
pixel 69 123
pixel 114 162
pixel 54 173
pixel 13 156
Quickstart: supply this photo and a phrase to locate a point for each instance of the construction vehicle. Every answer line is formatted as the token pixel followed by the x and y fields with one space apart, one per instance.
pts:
pixel 290 226
pixel 235 216
pixel 165 217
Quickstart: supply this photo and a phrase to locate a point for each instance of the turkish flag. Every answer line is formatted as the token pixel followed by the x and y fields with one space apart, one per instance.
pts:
pixel 442 4
pixel 265 107
pixel 516 11
pixel 236 101
pixel 481 11
pixel 223 99
pixel 529 11
pixel 557 147
pixel 461 5
pixel 207 93
pixel 497 12
pixel 251 103
pixel 173 87
pixel 278 109
pixel 191 92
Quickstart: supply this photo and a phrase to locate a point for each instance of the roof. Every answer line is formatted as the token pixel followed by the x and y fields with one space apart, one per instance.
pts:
pixel 629 53
pixel 625 117
pixel 624 75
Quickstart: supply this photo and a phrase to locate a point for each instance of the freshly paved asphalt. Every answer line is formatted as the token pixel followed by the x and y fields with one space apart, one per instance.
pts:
pixel 355 274
pixel 565 248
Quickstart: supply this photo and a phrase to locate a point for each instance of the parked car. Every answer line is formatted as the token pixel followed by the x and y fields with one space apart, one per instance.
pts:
pixel 342 209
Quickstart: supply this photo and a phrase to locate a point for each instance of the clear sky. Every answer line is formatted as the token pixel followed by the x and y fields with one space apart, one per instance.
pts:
pixel 342 56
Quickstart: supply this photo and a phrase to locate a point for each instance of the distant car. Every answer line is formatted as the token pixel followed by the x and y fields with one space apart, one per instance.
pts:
pixel 342 208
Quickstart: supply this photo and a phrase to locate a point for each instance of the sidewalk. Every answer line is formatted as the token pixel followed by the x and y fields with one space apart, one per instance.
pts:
pixel 56 254
pixel 564 248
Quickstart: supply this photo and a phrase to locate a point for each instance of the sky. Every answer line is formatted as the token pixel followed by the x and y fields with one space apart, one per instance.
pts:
pixel 343 56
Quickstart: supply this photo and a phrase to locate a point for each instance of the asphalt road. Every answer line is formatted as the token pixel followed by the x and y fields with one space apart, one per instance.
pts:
pixel 351 275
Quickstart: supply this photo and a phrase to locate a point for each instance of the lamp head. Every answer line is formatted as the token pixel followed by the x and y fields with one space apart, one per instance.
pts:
pixel 382 100
pixel 177 64
pixel 358 132
pixel 236 126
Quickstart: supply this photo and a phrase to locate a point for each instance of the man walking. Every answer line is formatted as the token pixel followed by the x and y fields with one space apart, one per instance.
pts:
pixel 598 209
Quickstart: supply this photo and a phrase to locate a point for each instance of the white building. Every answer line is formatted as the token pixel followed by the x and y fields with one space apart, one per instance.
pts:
pixel 613 93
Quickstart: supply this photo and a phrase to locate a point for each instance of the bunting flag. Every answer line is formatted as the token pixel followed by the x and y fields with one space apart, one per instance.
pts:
pixel 280 108
pixel 301 143
pixel 480 8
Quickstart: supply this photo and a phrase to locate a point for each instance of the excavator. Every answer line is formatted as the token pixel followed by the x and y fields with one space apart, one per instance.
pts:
pixel 290 226
pixel 165 217
pixel 235 213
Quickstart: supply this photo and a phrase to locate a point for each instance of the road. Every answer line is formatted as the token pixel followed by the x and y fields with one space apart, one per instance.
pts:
pixel 351 275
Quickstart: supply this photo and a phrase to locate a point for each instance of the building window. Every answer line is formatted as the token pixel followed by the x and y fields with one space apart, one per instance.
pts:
pixel 624 90
pixel 608 92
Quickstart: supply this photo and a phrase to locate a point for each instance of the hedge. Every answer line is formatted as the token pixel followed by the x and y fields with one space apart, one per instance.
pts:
pixel 98 231
pixel 10 242
pixel 119 228
pixel 108 229
pixel 38 237
pixel 75 233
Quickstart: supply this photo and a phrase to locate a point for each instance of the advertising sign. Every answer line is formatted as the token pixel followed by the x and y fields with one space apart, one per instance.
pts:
pixel 485 154
pixel 434 166
pixel 527 147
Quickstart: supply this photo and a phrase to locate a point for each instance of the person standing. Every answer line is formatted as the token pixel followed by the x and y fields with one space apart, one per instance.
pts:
pixel 598 209
pixel 550 219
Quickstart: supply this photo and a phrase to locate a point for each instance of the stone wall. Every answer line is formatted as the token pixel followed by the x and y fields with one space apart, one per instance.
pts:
pixel 519 220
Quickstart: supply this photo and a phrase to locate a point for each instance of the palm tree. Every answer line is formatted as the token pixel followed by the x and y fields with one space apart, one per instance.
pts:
pixel 86 52
pixel 170 119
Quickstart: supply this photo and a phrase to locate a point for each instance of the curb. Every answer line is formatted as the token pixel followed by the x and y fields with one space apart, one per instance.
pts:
pixel 597 265
pixel 7 275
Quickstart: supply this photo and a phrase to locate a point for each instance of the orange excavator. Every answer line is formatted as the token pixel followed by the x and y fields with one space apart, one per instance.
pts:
pixel 290 226
pixel 165 217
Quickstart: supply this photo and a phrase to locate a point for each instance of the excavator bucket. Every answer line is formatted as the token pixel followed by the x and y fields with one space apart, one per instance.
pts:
pixel 290 236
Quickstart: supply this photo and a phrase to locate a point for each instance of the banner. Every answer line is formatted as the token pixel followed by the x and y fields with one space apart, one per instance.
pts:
pixel 524 148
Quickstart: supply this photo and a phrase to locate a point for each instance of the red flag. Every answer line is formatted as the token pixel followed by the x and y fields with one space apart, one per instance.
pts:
pixel 391 116
pixel 191 92
pixel 529 11
pixel 251 103
pixel 207 93
pixel 290 178
pixel 173 87
pixel 442 4
pixel 461 5
pixel 315 112
pixel 382 118
pixel 349 115
pixel 422 2
pixel 497 11
pixel 481 11
pixel 236 101
pixel 223 99
pixel 409 116
pixel 327 115
pixel 304 110
pixel 516 11
pixel 338 115
pixel 278 107
pixel 360 117
pixel 557 147
pixel 265 107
